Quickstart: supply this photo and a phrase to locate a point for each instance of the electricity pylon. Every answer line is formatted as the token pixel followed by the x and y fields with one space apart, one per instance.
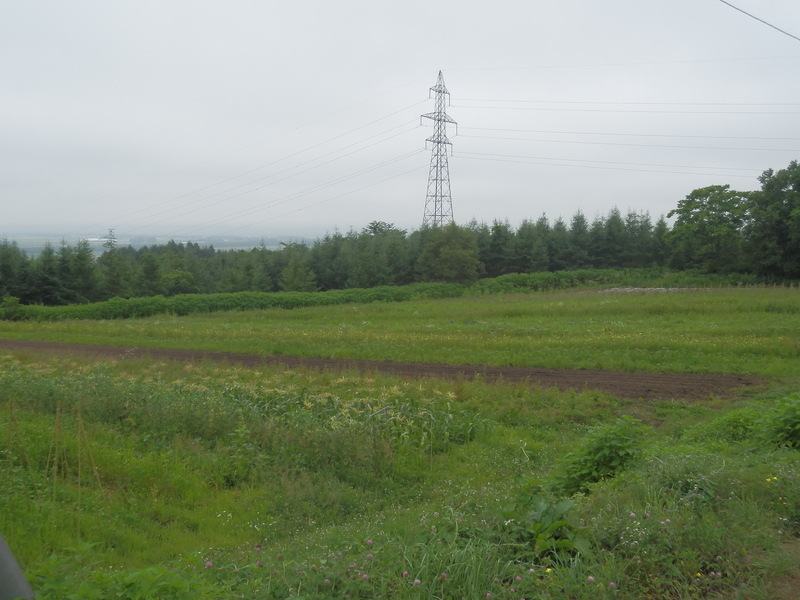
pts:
pixel 438 203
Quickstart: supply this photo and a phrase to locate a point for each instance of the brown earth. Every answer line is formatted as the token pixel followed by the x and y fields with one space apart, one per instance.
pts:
pixel 648 386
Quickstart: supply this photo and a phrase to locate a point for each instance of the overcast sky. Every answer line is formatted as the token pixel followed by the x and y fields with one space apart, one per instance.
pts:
pixel 192 118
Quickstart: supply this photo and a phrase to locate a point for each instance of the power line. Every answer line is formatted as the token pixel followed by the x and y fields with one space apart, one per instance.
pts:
pixel 761 20
pixel 632 103
pixel 654 135
pixel 609 110
pixel 293 196
pixel 534 160
pixel 250 183
pixel 626 64
pixel 328 199
pixel 251 145
pixel 587 143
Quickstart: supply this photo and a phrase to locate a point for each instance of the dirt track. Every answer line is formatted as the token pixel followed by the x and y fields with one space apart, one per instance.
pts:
pixel 648 386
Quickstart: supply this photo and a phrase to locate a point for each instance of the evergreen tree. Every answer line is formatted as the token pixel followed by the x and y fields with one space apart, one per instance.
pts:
pixel 499 258
pixel 578 242
pixel 297 276
pixel 558 246
pixel 147 280
pixel 530 247
pixel 14 272
pixel 48 289
pixel 639 234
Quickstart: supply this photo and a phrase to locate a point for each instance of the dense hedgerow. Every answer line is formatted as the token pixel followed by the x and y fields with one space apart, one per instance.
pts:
pixel 186 304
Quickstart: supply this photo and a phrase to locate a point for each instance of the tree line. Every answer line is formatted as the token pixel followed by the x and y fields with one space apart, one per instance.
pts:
pixel 720 230
pixel 716 230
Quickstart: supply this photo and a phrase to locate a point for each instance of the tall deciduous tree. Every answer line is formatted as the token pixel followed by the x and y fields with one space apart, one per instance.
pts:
pixel 708 230
pixel 773 228
pixel 450 254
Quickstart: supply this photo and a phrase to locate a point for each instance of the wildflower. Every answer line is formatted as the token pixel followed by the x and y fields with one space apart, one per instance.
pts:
pixel 633 515
pixel 548 570
pixel 327 581
pixel 209 564
pixel 495 580
pixel 405 573
pixel 612 585
pixel 369 555
pixel 417 582
pixel 517 578
pixel 488 595
pixel 370 542
pixel 365 576
pixel 590 579
pixel 258 563
pixel 443 576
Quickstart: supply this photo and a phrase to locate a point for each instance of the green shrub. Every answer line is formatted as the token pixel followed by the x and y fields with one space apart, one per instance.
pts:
pixel 10 309
pixel 781 423
pixel 606 450
pixel 733 427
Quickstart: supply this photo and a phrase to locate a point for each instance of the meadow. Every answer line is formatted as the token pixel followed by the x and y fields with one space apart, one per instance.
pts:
pixel 146 479
pixel 722 330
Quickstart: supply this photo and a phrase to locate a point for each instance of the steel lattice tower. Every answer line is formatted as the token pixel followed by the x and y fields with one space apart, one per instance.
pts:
pixel 438 203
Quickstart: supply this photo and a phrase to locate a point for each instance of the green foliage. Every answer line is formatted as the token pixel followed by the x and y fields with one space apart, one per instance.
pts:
pixel 187 304
pixel 537 527
pixel 736 426
pixel 10 309
pixel 781 422
pixel 605 451
pixel 76 574
pixel 449 253
pixel 274 484
pixel 773 228
pixel 708 231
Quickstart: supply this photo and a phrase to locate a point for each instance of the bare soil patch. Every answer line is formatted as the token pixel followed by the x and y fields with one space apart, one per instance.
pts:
pixel 623 384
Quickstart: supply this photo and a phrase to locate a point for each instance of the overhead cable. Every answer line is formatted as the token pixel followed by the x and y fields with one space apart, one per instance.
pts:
pixel 761 20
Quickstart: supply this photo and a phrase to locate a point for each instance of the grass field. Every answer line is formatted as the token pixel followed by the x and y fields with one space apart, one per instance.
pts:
pixel 752 331
pixel 142 479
